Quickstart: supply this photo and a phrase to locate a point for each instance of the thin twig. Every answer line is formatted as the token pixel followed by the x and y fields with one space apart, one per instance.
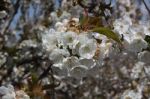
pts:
pixel 45 72
pixel 53 82
pixel 146 6
pixel 16 7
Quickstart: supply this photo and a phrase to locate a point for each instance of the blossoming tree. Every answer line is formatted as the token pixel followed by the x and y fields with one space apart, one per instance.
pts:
pixel 74 49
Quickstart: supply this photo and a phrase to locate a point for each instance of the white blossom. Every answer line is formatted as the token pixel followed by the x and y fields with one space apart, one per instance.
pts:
pixel 137 45
pixel 105 50
pixel 71 51
pixel 122 25
pixel 69 39
pixel 20 94
pixel 57 55
pixel 7 92
pixel 83 38
pixel 71 62
pixel 78 71
pixel 60 27
pixel 147 70
pixel 144 56
pixel 2 14
pixel 88 62
pixel 49 40
pixel 131 94
pixel 88 49
pixel 137 70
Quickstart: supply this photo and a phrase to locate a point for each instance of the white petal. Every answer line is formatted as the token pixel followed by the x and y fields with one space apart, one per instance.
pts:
pixel 78 71
pixel 57 55
pixel 3 90
pixel 2 14
pixel 88 62
pixel 137 45
pixel 71 62
pixel 88 49
pixel 144 56
pixel 69 38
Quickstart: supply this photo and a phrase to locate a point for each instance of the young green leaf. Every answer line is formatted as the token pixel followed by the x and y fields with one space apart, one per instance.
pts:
pixel 107 32
pixel 83 20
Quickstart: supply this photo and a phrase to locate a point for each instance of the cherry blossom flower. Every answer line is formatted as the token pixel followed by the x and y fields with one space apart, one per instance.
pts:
pixel 88 49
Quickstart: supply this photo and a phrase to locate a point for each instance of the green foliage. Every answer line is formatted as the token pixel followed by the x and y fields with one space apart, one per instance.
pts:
pixel 83 19
pixel 107 32
pixel 34 78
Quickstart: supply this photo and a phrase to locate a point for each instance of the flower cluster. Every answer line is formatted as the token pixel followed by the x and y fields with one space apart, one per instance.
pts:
pixel 76 50
pixel 75 53
pixel 8 92
pixel 133 35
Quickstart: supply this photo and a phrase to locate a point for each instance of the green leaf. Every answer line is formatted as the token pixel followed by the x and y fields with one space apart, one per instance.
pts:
pixel 34 78
pixel 107 32
pixel 83 19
